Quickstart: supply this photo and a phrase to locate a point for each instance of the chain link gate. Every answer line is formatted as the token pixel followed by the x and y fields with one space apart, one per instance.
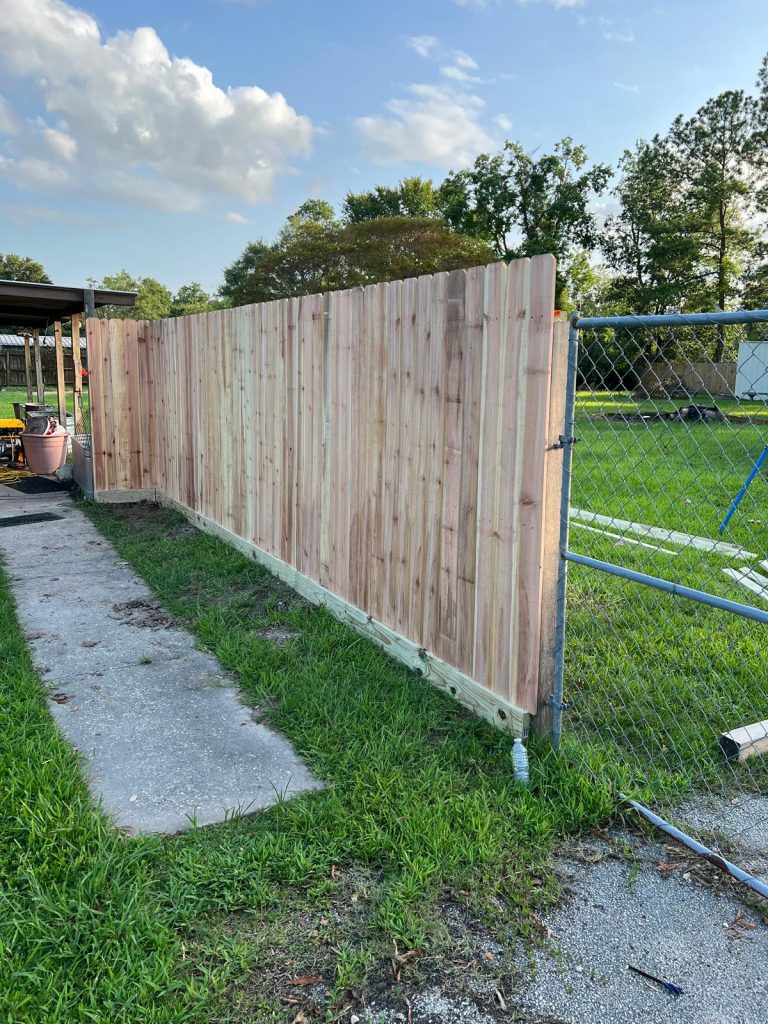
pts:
pixel 662 682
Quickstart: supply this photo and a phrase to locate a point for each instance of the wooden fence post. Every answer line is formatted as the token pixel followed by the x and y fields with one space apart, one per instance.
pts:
pixel 77 383
pixel 38 368
pixel 61 391
pixel 28 367
pixel 553 470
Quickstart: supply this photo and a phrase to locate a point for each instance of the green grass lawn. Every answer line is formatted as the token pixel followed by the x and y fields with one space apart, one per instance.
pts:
pixel 653 678
pixel 420 814
pixel 10 395
pixel 597 401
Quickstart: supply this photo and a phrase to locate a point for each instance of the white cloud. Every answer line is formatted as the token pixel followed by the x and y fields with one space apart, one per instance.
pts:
pixel 456 74
pixel 463 60
pixel 423 45
pixel 503 122
pixel 35 171
pixel 235 218
pixel 437 125
pixel 146 126
pixel 61 144
pixel 623 87
pixel 613 33
pixel 458 70
pixel 9 124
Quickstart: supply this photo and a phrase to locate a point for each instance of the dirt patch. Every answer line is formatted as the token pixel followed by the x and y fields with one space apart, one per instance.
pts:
pixel 278 635
pixel 320 958
pixel 149 514
pixel 144 614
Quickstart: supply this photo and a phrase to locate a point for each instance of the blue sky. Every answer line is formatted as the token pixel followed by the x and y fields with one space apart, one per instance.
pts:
pixel 162 136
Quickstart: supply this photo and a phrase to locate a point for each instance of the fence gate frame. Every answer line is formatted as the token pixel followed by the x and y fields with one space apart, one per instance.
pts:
pixel 568 440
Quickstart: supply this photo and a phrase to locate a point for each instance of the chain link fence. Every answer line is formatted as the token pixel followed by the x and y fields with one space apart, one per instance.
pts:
pixel 666 690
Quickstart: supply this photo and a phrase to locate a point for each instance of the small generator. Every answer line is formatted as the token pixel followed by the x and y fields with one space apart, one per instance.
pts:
pixel 11 450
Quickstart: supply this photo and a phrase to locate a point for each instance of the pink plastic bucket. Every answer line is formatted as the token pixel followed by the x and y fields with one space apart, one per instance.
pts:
pixel 45 453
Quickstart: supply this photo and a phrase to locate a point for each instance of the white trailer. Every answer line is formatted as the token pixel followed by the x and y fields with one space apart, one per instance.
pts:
pixel 752 370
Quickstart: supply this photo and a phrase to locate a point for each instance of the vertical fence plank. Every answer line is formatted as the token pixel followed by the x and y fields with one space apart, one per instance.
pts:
pixel 453 408
pixel 98 394
pixel 534 377
pixel 467 528
pixel 489 539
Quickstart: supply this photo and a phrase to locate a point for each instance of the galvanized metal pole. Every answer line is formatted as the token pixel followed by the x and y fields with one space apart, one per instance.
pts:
pixel 724 604
pixel 703 851
pixel 567 440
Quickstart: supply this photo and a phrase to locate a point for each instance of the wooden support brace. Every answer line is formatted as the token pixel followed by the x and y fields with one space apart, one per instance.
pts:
pixel 61 390
pixel 38 368
pixel 77 385
pixel 746 741
pixel 28 367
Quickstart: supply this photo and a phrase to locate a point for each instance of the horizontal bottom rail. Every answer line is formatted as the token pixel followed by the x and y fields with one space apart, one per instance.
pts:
pixel 703 851
pixel 744 610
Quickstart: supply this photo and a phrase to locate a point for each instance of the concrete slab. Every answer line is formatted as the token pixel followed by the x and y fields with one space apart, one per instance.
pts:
pixel 165 737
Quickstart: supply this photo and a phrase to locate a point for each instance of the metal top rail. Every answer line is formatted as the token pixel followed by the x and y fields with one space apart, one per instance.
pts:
pixel 743 316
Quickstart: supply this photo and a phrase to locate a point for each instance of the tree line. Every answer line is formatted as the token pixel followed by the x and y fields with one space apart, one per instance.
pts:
pixel 685 227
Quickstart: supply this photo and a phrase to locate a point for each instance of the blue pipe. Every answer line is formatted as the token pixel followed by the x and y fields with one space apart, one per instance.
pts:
pixel 744 316
pixel 703 851
pixel 744 610
pixel 737 500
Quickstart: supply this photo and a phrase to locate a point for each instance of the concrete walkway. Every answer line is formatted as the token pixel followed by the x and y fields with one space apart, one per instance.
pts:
pixel 165 738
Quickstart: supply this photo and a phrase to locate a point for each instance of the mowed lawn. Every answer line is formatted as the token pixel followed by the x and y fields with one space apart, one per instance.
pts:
pixel 10 395
pixel 653 677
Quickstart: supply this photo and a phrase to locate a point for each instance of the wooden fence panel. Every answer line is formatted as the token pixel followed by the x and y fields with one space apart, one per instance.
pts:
pixel 387 444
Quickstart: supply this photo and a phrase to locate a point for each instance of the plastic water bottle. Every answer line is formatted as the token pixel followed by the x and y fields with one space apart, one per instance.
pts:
pixel 520 762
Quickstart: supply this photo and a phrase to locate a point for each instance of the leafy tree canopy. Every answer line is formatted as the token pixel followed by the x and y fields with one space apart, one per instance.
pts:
pixel 153 299
pixel 190 298
pixel 318 256
pixel 413 197
pixel 526 204
pixel 22 268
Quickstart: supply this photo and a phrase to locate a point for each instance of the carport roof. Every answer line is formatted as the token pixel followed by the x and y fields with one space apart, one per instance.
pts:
pixel 28 304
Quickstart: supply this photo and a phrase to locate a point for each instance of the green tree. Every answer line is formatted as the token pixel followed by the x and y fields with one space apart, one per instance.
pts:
pixel 721 150
pixel 190 298
pixel 241 269
pixel 316 257
pixel 651 244
pixel 153 299
pixel 311 211
pixel 21 268
pixel 412 197
pixel 526 204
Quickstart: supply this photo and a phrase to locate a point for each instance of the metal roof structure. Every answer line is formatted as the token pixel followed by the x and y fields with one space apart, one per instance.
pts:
pixel 28 304
pixel 13 341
